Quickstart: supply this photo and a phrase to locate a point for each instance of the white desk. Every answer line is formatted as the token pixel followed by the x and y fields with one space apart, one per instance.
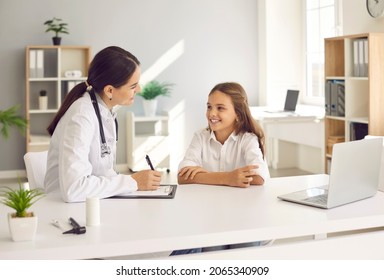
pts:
pixel 294 139
pixel 198 216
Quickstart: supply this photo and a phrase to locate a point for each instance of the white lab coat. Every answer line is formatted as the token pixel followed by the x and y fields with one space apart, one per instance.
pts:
pixel 74 162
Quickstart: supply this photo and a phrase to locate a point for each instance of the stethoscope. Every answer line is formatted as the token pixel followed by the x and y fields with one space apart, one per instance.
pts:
pixel 105 149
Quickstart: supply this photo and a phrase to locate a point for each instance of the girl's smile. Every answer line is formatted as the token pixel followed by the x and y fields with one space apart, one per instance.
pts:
pixel 221 115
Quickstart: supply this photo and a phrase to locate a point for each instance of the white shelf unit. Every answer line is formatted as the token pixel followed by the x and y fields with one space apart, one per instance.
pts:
pixel 147 136
pixel 364 98
pixel 45 70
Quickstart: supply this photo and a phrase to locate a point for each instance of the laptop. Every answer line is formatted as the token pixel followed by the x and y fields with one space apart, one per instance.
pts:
pixel 290 102
pixel 354 175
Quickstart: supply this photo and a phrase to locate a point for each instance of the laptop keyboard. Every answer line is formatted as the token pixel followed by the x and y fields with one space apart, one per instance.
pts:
pixel 319 199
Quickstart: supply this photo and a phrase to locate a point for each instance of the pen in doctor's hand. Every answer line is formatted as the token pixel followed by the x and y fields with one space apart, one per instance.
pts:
pixel 149 162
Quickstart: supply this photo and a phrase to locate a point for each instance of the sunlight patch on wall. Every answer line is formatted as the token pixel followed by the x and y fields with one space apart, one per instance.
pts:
pixel 162 62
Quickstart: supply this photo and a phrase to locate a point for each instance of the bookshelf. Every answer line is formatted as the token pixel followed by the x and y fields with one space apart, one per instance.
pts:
pixel 361 72
pixel 55 70
pixel 147 136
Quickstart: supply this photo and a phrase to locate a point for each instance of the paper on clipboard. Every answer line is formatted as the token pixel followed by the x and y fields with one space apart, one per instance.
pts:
pixel 163 191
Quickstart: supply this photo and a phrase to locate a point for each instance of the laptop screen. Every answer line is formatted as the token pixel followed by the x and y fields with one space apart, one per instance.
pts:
pixel 291 100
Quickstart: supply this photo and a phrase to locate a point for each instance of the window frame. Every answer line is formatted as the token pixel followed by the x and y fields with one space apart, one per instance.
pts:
pixel 338 28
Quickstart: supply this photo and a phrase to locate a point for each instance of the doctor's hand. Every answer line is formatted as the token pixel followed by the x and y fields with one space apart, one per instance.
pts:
pixel 242 177
pixel 147 179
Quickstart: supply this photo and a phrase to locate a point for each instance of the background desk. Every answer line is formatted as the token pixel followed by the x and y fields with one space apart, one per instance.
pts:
pixel 294 140
pixel 199 216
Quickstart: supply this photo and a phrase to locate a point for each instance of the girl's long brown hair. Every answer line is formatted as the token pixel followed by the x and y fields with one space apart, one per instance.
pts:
pixel 245 123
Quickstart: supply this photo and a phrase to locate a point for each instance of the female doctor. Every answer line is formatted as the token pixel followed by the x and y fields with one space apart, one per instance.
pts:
pixel 82 152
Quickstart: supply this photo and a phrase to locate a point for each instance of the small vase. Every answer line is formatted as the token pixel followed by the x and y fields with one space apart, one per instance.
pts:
pixel 150 107
pixel 43 102
pixel 22 229
pixel 56 41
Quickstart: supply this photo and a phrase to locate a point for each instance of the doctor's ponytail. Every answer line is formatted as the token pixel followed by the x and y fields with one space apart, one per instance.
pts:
pixel 75 93
pixel 111 66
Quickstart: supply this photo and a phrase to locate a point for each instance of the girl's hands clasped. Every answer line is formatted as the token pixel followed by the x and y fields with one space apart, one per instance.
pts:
pixel 242 177
pixel 147 180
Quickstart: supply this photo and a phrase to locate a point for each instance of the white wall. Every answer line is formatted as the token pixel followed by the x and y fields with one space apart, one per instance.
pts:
pixel 357 20
pixel 254 42
pixel 206 42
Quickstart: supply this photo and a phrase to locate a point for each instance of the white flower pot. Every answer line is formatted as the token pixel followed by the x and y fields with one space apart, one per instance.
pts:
pixel 22 229
pixel 150 107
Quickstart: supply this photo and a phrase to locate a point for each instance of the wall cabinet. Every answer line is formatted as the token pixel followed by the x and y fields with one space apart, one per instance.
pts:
pixel 355 61
pixel 147 136
pixel 51 71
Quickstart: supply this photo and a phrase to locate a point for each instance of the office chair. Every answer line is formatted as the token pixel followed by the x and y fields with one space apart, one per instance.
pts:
pixel 36 166
pixel 381 180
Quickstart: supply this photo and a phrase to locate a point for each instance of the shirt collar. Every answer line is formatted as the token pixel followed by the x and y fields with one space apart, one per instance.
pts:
pixel 233 136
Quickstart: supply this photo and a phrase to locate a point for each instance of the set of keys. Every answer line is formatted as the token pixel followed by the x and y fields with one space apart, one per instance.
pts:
pixel 76 228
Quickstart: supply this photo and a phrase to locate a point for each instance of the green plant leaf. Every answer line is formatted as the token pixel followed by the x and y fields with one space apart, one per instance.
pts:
pixel 154 89
pixel 9 118
pixel 20 199
pixel 55 25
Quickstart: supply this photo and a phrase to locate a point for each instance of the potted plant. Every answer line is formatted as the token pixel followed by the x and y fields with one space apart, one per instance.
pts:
pixel 150 92
pixel 57 26
pixel 10 118
pixel 22 223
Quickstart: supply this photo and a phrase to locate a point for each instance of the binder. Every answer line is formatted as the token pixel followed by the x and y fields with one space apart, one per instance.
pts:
pixel 337 98
pixel 356 58
pixel 163 192
pixel 327 95
pixel 32 63
pixel 333 99
pixel 39 64
pixel 365 65
pixel 361 58
pixel 340 103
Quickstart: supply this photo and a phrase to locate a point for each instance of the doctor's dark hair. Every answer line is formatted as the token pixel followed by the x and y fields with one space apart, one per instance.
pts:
pixel 111 66
pixel 245 122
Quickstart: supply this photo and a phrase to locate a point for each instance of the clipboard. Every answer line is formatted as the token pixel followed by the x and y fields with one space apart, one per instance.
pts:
pixel 163 192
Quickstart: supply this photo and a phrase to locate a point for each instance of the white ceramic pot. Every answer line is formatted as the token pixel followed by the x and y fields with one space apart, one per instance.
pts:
pixel 22 229
pixel 150 107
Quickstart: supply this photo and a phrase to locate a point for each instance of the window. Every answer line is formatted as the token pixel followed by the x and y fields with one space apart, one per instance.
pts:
pixel 323 20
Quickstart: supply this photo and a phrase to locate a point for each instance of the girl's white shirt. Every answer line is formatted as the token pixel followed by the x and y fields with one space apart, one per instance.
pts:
pixel 236 152
pixel 74 160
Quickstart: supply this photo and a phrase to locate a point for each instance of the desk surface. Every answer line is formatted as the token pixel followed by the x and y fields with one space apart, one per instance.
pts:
pixel 302 113
pixel 198 216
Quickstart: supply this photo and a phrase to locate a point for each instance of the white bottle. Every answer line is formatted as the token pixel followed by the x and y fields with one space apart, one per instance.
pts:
pixel 43 100
pixel 93 211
